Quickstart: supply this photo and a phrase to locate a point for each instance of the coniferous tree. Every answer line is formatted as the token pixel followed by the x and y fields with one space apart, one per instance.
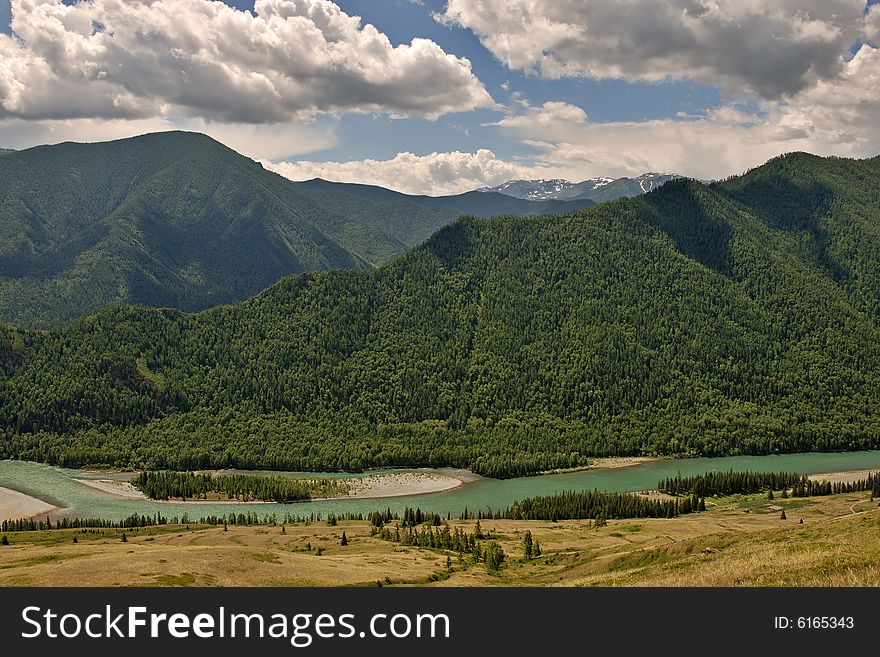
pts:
pixel 4 540
pixel 344 540
pixel 528 545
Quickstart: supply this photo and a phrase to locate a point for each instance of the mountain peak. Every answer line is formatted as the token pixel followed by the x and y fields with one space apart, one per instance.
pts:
pixel 594 189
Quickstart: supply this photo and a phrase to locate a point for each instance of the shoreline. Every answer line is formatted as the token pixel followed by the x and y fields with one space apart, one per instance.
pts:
pixel 15 505
pixel 600 463
pixel 367 487
pixel 843 476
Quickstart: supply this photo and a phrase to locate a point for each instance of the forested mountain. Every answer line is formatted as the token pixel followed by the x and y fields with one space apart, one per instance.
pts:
pixel 477 203
pixel 738 317
pixel 171 219
pixel 177 219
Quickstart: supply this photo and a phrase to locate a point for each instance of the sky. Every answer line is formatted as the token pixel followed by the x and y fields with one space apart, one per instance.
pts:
pixel 443 96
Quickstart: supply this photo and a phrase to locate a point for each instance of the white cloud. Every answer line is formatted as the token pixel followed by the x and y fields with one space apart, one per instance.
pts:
pixel 552 114
pixel 871 29
pixel 835 117
pixel 436 174
pixel 138 59
pixel 769 47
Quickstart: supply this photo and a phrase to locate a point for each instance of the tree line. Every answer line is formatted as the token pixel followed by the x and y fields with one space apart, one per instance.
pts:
pixel 578 505
pixel 745 483
pixel 273 488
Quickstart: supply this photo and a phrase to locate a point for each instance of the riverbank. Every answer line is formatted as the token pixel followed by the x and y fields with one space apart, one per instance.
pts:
pixel 370 486
pixel 398 484
pixel 843 477
pixel 607 463
pixel 15 505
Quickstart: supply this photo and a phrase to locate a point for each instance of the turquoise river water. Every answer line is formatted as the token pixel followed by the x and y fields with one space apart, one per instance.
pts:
pixel 60 488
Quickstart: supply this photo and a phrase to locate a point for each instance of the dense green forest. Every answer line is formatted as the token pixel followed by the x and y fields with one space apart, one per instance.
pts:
pixel 245 488
pixel 176 219
pixel 745 483
pixel 738 317
pixel 729 483
pixel 596 505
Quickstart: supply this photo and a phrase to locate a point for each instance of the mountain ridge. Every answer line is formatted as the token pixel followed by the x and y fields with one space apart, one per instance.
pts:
pixel 178 219
pixel 595 189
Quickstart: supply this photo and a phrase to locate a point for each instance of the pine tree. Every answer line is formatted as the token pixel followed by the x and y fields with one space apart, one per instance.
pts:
pixel 124 538
pixel 344 541
pixel 536 551
pixel 769 494
pixel 74 540
pixel 528 546
pixel 448 564
pixel 782 516
pixel 4 540
pixel 283 530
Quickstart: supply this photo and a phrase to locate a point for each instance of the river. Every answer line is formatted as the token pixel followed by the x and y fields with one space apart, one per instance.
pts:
pixel 59 487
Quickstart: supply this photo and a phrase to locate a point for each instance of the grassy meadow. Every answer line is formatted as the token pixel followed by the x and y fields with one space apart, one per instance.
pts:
pixel 739 541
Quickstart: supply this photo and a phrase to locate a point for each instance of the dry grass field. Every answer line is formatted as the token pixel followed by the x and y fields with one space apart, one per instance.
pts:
pixel 739 541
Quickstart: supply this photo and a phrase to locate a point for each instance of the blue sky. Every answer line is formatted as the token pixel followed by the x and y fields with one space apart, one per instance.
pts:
pixel 560 88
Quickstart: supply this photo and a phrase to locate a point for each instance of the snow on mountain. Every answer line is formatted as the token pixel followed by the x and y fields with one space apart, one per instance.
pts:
pixel 596 189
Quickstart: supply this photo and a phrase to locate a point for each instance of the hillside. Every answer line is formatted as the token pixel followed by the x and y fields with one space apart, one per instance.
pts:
pixel 171 219
pixel 739 317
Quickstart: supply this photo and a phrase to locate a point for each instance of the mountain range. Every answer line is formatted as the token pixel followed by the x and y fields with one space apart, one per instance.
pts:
pixel 739 317
pixel 177 219
pixel 593 189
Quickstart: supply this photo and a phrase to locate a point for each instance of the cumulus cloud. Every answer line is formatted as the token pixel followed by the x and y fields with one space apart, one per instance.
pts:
pixel 872 24
pixel 769 47
pixel 137 59
pixel 437 173
pixel 551 114
pixel 834 117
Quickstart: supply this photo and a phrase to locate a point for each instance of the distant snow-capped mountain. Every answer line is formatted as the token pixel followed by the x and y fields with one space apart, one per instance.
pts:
pixel 594 189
